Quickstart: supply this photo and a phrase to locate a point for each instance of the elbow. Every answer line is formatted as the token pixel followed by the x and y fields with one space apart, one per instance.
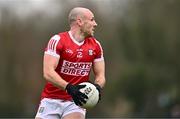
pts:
pixel 104 80
pixel 47 75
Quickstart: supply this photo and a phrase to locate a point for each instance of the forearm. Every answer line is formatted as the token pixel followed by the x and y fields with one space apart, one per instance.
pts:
pixel 100 80
pixel 55 79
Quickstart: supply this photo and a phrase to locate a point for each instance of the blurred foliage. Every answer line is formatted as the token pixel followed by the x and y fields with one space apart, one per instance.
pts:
pixel 141 47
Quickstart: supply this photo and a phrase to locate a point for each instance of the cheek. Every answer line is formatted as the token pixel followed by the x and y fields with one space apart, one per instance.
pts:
pixel 89 27
pixel 86 27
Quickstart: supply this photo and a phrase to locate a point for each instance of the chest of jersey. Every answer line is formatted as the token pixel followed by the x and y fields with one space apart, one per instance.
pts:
pixel 76 53
pixel 76 60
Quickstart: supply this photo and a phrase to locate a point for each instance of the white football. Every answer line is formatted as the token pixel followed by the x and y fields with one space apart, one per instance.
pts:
pixel 92 93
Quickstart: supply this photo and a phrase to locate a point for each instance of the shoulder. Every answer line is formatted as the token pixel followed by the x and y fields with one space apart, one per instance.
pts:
pixel 63 34
pixel 55 37
pixel 59 37
pixel 94 41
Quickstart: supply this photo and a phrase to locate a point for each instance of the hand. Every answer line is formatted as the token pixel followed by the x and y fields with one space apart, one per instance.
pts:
pixel 77 96
pixel 98 87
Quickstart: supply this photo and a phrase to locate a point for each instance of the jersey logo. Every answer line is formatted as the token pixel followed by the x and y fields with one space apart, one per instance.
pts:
pixel 79 53
pixel 90 52
pixel 76 68
pixel 69 51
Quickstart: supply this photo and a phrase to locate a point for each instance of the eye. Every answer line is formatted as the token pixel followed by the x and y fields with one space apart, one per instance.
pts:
pixel 92 19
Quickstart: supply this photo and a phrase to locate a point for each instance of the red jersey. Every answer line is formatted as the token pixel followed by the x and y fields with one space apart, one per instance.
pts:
pixel 75 61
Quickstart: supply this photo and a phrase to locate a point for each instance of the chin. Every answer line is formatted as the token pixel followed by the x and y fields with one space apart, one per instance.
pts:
pixel 89 34
pixel 92 33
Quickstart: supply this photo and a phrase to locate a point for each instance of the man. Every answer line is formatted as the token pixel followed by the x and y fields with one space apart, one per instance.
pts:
pixel 68 59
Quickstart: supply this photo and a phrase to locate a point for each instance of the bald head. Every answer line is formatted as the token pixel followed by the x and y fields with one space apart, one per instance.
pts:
pixel 77 12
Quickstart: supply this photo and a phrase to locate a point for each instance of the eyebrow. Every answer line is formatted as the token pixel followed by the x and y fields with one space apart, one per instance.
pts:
pixel 93 18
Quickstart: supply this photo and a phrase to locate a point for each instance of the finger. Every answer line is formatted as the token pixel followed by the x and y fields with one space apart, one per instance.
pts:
pixel 77 102
pixel 99 96
pixel 83 95
pixel 81 86
pixel 83 101
pixel 80 99
pixel 83 98
pixel 98 87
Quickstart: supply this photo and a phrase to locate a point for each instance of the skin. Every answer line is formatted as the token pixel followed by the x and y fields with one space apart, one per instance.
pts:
pixel 82 25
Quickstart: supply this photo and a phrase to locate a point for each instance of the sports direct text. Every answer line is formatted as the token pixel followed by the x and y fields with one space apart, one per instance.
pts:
pixel 76 69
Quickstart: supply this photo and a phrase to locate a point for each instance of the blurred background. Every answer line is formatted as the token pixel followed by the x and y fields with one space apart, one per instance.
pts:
pixel 141 42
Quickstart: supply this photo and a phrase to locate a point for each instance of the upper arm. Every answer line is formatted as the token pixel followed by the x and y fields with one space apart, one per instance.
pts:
pixel 99 68
pixel 52 54
pixel 99 65
pixel 50 62
pixel 99 72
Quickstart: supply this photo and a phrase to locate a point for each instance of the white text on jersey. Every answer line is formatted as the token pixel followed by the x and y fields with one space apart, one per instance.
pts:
pixel 76 69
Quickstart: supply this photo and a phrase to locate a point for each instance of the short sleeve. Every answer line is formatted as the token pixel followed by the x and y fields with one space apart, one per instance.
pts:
pixel 53 47
pixel 99 52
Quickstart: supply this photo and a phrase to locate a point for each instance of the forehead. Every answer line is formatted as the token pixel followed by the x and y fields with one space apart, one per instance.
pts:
pixel 89 14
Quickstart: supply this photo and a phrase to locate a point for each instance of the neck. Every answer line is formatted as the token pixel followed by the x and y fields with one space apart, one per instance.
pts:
pixel 77 35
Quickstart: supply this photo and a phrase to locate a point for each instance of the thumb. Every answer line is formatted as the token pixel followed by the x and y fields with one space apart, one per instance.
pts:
pixel 81 86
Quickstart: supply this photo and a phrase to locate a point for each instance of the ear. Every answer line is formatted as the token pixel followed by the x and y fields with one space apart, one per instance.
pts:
pixel 79 21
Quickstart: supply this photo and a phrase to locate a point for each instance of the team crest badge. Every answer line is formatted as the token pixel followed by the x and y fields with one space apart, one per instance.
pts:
pixel 90 52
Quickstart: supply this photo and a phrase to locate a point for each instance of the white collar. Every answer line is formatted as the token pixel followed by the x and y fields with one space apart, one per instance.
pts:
pixel 75 41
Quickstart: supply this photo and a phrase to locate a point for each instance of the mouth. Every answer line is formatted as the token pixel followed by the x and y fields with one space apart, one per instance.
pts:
pixel 93 29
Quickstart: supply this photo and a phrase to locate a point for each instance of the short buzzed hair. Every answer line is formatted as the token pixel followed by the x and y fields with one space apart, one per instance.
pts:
pixel 77 11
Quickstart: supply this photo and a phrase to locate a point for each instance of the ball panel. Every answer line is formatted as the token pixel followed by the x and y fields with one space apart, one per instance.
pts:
pixel 92 93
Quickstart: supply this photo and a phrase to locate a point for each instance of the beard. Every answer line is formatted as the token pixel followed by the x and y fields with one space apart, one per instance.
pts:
pixel 87 31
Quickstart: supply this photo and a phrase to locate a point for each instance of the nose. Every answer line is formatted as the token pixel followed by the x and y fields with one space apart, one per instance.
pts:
pixel 95 24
